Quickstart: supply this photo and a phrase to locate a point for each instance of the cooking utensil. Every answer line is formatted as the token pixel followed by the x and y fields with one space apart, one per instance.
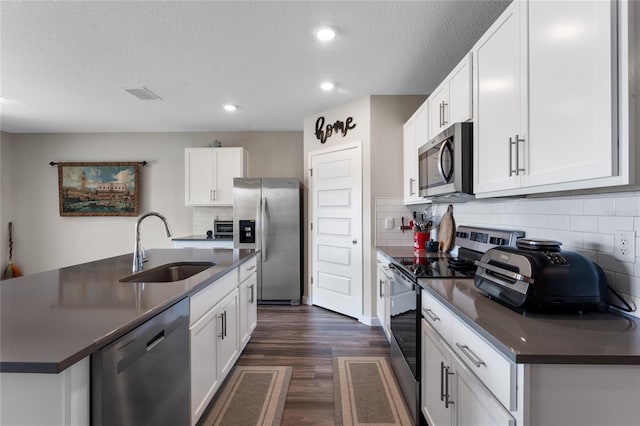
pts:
pixel 447 231
pixel 12 270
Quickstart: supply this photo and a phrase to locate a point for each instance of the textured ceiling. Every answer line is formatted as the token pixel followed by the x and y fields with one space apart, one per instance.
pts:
pixel 65 65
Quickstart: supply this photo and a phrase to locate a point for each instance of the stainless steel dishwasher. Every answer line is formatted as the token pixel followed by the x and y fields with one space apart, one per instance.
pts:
pixel 143 377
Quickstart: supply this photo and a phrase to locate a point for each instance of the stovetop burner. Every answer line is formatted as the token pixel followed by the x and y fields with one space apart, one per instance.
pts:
pixel 439 267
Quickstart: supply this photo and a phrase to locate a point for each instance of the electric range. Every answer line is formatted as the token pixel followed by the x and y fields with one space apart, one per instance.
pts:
pixel 406 307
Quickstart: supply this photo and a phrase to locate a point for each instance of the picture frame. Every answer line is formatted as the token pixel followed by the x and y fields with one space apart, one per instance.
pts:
pixel 99 188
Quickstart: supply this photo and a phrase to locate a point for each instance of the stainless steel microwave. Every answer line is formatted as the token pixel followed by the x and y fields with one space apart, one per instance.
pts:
pixel 445 164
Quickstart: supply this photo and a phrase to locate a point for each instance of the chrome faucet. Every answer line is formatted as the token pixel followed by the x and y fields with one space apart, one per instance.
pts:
pixel 138 251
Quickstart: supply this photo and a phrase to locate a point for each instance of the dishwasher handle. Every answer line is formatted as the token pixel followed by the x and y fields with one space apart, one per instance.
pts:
pixel 155 341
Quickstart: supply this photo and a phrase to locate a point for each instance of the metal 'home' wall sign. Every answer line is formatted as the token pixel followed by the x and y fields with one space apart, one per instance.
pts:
pixel 339 127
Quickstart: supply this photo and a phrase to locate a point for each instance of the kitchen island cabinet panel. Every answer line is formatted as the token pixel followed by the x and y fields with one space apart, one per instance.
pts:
pixel 29 399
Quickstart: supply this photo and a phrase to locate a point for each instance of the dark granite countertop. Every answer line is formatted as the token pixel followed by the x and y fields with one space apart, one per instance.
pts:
pixel 590 338
pixel 51 320
pixel 534 338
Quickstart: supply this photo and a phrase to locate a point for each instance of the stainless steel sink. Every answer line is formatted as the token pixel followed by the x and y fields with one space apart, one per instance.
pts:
pixel 169 273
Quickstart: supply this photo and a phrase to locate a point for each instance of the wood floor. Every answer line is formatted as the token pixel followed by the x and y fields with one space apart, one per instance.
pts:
pixel 307 338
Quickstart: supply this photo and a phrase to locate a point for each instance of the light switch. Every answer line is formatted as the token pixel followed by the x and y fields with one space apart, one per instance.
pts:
pixel 388 223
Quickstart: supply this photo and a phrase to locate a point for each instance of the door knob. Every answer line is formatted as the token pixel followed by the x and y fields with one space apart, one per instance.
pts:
pixel 355 241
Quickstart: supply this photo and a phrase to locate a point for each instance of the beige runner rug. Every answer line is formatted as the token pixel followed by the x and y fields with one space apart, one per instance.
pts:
pixel 366 392
pixel 251 396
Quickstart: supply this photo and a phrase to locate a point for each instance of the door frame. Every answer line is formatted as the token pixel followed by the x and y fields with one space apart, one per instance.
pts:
pixel 310 214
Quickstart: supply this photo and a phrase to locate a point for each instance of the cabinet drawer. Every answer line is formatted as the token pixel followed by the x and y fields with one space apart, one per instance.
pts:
pixel 436 315
pixel 248 268
pixel 208 297
pixel 494 370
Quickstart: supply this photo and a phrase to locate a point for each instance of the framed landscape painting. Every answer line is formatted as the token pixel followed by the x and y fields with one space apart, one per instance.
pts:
pixel 98 189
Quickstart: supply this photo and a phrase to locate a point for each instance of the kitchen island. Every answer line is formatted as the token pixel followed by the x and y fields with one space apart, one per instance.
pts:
pixel 52 322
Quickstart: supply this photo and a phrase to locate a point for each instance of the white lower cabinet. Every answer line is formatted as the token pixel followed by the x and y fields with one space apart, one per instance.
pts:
pixel 248 309
pixel 214 339
pixel 383 299
pixel 451 393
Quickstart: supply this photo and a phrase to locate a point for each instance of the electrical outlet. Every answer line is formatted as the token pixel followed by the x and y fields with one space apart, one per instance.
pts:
pixel 624 246
pixel 388 223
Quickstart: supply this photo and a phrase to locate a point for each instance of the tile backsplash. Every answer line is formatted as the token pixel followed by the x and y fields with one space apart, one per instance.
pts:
pixel 392 209
pixel 582 223
pixel 203 218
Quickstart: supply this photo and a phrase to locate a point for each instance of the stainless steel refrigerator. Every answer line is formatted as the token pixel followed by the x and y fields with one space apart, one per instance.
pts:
pixel 267 215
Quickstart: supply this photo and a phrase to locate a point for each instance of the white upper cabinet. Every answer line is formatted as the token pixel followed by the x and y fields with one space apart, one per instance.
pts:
pixel 500 102
pixel 416 134
pixel 209 174
pixel 546 99
pixel 572 114
pixel 451 101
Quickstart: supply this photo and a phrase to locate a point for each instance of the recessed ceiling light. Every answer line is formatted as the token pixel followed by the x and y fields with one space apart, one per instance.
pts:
pixel 325 33
pixel 327 85
pixel 229 107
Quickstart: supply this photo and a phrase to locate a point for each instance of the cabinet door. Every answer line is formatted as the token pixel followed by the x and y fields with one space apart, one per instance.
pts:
pixel 435 368
pixel 229 163
pixel 439 106
pixel 204 374
pixel 459 108
pixel 248 309
pixel 475 405
pixel 380 294
pixel 500 102
pixel 227 333
pixel 572 76
pixel 410 168
pixel 199 177
pixel 252 312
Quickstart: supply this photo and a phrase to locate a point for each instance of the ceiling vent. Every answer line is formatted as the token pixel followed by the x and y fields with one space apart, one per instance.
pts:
pixel 144 94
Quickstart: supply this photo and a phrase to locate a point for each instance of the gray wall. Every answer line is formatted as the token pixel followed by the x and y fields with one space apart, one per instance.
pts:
pixel 29 189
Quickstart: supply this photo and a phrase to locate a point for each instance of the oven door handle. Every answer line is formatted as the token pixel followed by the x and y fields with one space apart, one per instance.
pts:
pixel 398 272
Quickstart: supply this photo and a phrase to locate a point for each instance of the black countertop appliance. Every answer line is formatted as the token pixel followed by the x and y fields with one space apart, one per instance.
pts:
pixel 535 275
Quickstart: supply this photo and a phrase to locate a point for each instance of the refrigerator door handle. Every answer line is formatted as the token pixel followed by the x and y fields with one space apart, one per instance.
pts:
pixel 265 229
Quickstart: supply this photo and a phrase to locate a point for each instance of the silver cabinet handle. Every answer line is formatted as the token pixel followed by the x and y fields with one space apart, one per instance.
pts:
pixel 214 195
pixel 224 317
pixel 221 334
pixel 380 290
pixel 252 297
pixel 477 361
pixel 441 381
pixel 518 169
pixel 432 316
pixel 447 401
pixel 411 191
pixel 441 114
pixel 515 142
pixel 444 116
pixel 211 195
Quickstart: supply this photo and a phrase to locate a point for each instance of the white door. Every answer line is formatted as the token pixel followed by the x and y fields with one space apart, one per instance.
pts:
pixel 336 214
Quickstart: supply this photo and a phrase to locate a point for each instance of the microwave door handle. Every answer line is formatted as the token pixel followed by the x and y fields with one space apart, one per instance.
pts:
pixel 446 177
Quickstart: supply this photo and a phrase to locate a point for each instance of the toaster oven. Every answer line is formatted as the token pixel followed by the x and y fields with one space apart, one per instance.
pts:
pixel 537 276
pixel 223 229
